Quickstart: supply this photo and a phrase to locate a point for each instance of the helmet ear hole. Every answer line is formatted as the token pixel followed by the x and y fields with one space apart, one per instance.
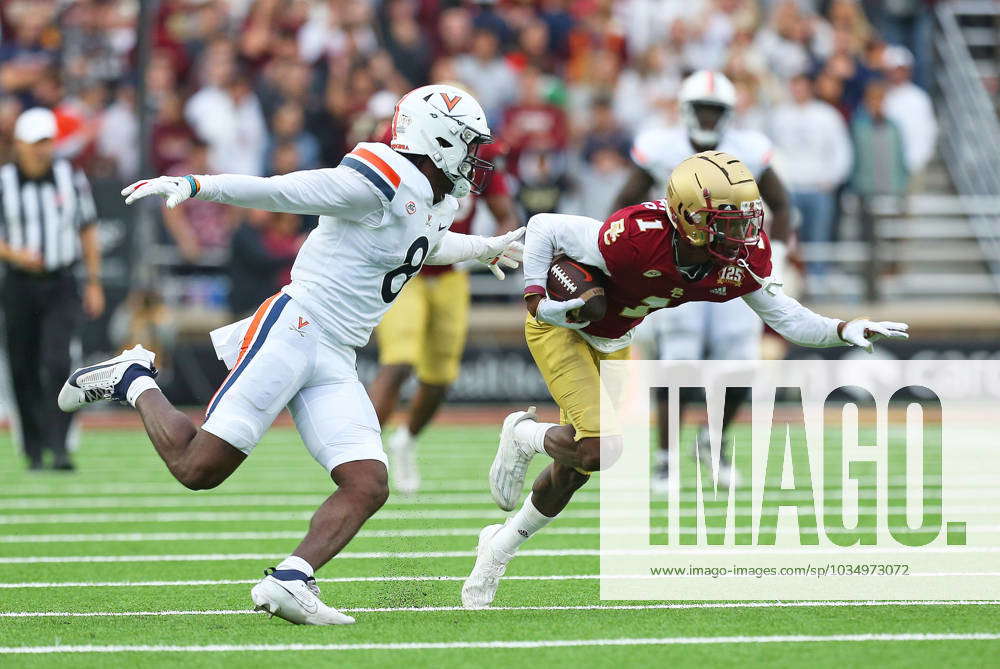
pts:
pixel 444 143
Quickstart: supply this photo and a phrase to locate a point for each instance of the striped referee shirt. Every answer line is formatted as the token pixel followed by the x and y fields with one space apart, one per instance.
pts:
pixel 45 214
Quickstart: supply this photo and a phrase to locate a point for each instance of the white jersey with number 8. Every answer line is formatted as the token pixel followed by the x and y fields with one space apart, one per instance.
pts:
pixel 377 224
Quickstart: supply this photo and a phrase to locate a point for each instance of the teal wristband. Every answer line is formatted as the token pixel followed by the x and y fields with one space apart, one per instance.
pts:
pixel 194 184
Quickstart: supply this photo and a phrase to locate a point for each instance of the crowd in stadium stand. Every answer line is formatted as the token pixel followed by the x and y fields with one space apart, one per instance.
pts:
pixel 271 86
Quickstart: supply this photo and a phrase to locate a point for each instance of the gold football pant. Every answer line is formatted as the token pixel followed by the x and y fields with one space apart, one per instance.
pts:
pixel 572 371
pixel 426 327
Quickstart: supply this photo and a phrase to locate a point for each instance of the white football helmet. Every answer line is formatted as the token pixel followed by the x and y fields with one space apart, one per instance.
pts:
pixel 447 125
pixel 705 87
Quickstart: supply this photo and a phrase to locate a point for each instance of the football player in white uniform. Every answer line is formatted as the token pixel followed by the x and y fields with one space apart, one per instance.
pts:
pixel 707 330
pixel 384 212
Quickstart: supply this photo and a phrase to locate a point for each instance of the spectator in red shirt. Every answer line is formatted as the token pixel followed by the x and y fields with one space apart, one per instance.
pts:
pixel 533 122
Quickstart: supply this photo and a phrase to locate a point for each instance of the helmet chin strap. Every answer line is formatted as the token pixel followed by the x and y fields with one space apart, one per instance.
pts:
pixel 461 187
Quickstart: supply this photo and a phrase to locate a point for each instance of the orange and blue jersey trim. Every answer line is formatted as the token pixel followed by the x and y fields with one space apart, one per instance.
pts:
pixel 263 320
pixel 373 168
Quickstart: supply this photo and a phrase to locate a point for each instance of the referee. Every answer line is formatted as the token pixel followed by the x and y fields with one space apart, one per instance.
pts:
pixel 47 224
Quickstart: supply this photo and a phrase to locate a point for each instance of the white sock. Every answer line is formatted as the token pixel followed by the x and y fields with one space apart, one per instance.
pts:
pixel 296 563
pixel 402 436
pixel 138 387
pixel 519 527
pixel 532 432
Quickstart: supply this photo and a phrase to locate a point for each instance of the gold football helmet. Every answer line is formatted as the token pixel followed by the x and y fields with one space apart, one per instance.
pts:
pixel 714 203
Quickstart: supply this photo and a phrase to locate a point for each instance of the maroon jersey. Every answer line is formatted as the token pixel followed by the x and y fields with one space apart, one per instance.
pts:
pixel 637 245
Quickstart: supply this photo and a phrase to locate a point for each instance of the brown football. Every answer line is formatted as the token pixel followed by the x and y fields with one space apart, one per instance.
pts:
pixel 569 279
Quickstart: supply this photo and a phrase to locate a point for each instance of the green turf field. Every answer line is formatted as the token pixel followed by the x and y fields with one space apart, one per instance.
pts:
pixel 118 555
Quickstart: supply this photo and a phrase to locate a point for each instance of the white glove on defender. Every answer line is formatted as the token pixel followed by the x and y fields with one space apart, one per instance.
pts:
pixel 863 333
pixel 504 250
pixel 555 312
pixel 172 189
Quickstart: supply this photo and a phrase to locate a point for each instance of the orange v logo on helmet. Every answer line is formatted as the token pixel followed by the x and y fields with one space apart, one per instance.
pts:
pixel 451 101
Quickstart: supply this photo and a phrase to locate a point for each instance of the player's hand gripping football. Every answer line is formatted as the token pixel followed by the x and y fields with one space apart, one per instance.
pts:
pixel 862 332
pixel 556 312
pixel 172 189
pixel 505 250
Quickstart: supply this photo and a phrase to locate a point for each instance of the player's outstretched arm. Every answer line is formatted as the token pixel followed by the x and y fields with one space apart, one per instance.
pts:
pixel 335 191
pixel 495 252
pixel 805 327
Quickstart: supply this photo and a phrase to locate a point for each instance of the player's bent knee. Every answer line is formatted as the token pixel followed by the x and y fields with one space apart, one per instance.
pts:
pixel 589 452
pixel 366 480
pixel 208 461
pixel 198 478
pixel 597 453
pixel 372 495
pixel 567 479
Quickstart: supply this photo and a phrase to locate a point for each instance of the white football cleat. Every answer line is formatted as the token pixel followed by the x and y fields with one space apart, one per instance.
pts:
pixel 703 451
pixel 403 462
pixel 103 381
pixel 480 588
pixel 295 599
pixel 511 462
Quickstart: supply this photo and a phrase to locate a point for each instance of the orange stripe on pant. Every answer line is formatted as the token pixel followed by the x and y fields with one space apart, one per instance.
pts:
pixel 258 317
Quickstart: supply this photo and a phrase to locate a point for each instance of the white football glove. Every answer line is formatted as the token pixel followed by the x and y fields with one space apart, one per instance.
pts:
pixel 557 313
pixel 172 189
pixel 504 250
pixel 863 332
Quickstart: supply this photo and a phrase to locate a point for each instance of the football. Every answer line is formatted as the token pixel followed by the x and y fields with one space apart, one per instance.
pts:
pixel 569 279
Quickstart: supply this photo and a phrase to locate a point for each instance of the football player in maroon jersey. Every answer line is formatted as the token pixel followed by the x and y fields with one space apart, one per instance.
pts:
pixel 704 242
pixel 709 330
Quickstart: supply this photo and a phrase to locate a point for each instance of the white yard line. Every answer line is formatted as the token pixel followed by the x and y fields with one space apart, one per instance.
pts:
pixel 366 579
pixel 167 537
pixel 552 643
pixel 430 484
pixel 231 557
pixel 306 499
pixel 225 516
pixel 653 553
pixel 583 607
pixel 982 509
pixel 240 536
pixel 479 494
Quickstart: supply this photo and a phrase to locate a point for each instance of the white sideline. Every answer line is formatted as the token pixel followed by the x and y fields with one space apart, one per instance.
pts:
pixel 582 607
pixel 554 643
pixel 371 579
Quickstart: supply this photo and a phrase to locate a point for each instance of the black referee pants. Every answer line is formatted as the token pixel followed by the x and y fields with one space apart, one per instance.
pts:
pixel 41 315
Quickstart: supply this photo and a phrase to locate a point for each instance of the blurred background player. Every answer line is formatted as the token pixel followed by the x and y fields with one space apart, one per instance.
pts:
pixel 49 224
pixel 706 330
pixel 425 332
